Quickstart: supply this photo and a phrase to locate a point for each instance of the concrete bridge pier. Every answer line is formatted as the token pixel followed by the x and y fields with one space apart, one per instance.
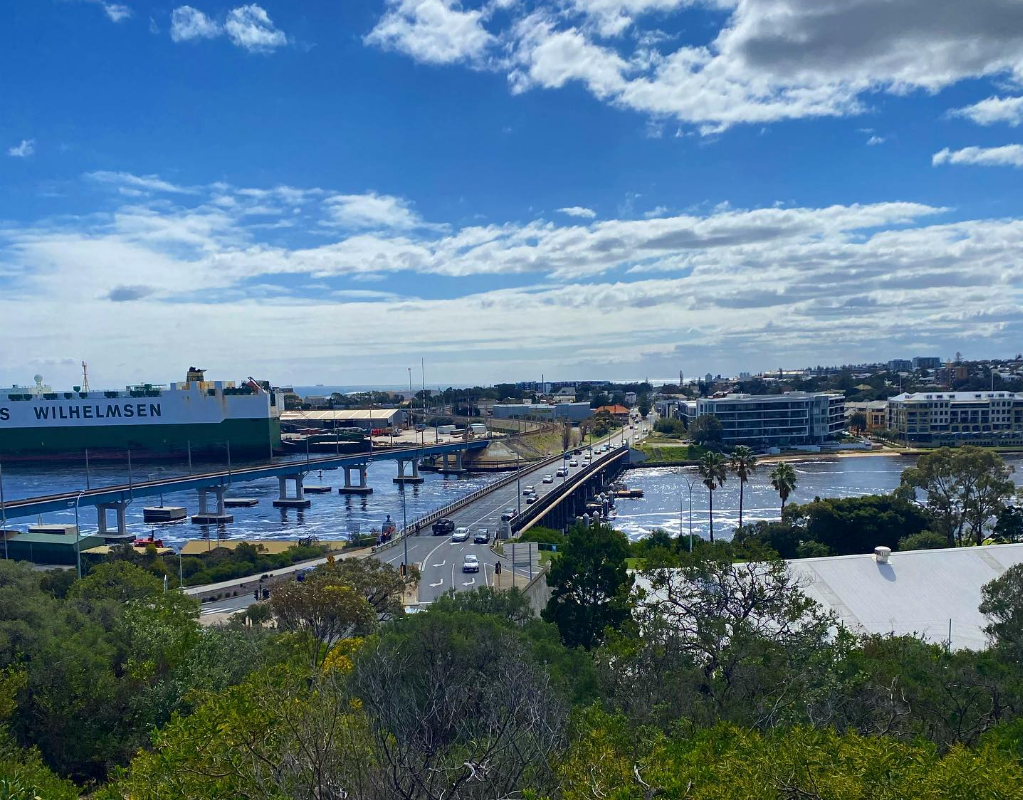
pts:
pixel 349 488
pixel 205 515
pixel 122 525
pixel 445 467
pixel 415 477
pixel 298 499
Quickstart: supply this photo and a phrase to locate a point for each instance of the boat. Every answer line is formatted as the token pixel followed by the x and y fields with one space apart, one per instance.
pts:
pixel 193 417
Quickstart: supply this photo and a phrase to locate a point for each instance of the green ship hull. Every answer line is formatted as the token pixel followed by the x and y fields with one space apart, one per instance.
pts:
pixel 247 438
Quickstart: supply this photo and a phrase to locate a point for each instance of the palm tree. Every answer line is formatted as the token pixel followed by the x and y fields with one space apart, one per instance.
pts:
pixel 783 479
pixel 744 464
pixel 713 470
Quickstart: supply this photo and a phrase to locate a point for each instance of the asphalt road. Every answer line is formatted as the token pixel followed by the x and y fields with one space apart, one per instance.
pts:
pixel 440 559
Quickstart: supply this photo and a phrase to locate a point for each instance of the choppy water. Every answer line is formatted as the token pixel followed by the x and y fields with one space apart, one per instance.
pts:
pixel 665 493
pixel 331 516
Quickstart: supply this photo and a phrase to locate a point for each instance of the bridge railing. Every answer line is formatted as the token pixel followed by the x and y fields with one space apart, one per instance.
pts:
pixel 539 509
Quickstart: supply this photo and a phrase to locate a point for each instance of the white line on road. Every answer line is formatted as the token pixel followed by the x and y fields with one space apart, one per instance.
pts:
pixel 438 584
pixel 442 563
pixel 470 583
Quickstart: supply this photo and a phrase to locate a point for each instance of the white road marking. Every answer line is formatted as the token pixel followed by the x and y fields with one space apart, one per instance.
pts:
pixel 442 563
pixel 438 584
pixel 470 583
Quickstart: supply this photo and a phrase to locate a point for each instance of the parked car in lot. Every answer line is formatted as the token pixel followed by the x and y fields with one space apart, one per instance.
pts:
pixel 482 536
pixel 548 479
pixel 471 564
pixel 442 527
pixel 508 515
pixel 460 535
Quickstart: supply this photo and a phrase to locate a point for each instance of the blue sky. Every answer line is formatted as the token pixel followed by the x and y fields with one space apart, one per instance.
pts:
pixel 330 191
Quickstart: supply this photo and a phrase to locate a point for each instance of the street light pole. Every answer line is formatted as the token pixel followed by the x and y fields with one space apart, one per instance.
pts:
pixel 3 510
pixel 78 537
pixel 691 483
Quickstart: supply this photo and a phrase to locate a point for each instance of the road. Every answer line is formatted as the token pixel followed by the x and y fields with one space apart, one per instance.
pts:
pixel 440 559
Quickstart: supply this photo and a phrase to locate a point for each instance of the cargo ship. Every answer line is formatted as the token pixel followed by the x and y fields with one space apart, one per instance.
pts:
pixel 196 417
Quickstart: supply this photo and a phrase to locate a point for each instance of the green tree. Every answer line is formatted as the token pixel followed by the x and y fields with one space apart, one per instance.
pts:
pixel 857 421
pixel 116 580
pixel 324 611
pixel 590 585
pixel 965 486
pixel 643 405
pixel 706 431
pixel 1009 526
pixel 1002 603
pixel 714 472
pixel 743 463
pixel 783 479
pixel 925 540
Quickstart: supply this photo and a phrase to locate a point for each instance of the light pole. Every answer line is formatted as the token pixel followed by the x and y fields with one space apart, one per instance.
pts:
pixel 78 537
pixel 691 483
pixel 518 484
pixel 404 524
pixel 3 510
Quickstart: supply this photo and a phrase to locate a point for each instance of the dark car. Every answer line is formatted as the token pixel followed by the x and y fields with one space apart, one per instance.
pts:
pixel 482 536
pixel 442 527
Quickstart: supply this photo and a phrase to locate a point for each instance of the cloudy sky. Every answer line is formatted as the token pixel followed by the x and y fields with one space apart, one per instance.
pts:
pixel 326 192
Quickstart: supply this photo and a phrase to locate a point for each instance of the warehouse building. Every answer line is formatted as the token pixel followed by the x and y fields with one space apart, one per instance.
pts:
pixel 568 412
pixel 365 418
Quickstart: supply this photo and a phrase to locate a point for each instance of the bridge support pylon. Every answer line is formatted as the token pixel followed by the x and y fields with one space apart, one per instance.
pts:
pixel 415 477
pixel 445 467
pixel 122 525
pixel 298 499
pixel 206 516
pixel 362 488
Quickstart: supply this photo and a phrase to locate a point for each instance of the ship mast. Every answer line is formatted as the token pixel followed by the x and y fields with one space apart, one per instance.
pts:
pixel 85 377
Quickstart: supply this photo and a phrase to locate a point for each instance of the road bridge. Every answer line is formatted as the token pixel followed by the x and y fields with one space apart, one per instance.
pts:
pixel 289 473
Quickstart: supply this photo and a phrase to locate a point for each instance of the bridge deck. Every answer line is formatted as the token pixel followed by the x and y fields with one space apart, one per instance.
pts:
pixel 32 506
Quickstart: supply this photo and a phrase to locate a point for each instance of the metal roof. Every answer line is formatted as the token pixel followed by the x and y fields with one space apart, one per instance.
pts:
pixel 916 592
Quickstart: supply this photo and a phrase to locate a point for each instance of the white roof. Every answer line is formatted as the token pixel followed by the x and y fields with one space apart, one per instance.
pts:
pixel 958 396
pixel 916 592
pixel 342 414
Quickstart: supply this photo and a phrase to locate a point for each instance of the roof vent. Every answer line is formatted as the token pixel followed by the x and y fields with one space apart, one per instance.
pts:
pixel 881 554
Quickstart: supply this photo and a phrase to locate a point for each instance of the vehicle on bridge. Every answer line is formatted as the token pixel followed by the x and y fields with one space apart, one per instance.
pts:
pixel 460 535
pixel 508 515
pixel 531 499
pixel 471 564
pixel 528 491
pixel 548 479
pixel 443 526
pixel 482 536
pixel 573 463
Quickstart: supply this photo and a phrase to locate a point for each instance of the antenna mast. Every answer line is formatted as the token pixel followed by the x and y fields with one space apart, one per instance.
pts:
pixel 85 377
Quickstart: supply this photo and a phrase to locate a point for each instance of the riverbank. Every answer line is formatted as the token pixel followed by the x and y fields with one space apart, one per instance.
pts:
pixel 788 457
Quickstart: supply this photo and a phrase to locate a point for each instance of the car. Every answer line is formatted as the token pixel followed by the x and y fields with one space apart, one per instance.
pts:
pixel 548 479
pixel 528 491
pixel 562 472
pixel 531 499
pixel 508 515
pixel 573 463
pixel 470 564
pixel 482 536
pixel 460 535
pixel 442 527
pixel 576 452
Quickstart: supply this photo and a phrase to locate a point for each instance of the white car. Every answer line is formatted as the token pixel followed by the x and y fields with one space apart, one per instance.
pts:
pixel 562 472
pixel 460 535
pixel 548 479
pixel 471 564
pixel 528 491
pixel 573 463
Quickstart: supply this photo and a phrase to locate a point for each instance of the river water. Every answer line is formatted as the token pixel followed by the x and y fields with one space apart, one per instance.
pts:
pixel 334 516
pixel 665 491
pixel 331 516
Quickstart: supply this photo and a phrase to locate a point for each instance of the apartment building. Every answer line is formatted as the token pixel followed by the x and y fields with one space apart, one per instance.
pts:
pixel 983 418
pixel 773 420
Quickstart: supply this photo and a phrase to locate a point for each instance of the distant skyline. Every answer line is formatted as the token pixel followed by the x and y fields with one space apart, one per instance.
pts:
pixel 327 192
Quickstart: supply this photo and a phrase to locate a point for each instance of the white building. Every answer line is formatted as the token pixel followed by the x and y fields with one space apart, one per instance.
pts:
pixel 774 420
pixel 983 418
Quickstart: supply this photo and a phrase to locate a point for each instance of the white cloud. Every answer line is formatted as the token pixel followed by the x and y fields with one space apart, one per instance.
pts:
pixel 144 182
pixel 852 281
pixel 875 140
pixel 1010 155
pixel 992 110
pixel 250 27
pixel 578 211
pixel 116 12
pixel 23 150
pixel 432 31
pixel 188 23
pixel 771 60
pixel 371 210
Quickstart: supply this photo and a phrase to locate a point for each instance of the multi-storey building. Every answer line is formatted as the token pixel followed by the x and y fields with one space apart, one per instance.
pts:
pixel 984 418
pixel 774 420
